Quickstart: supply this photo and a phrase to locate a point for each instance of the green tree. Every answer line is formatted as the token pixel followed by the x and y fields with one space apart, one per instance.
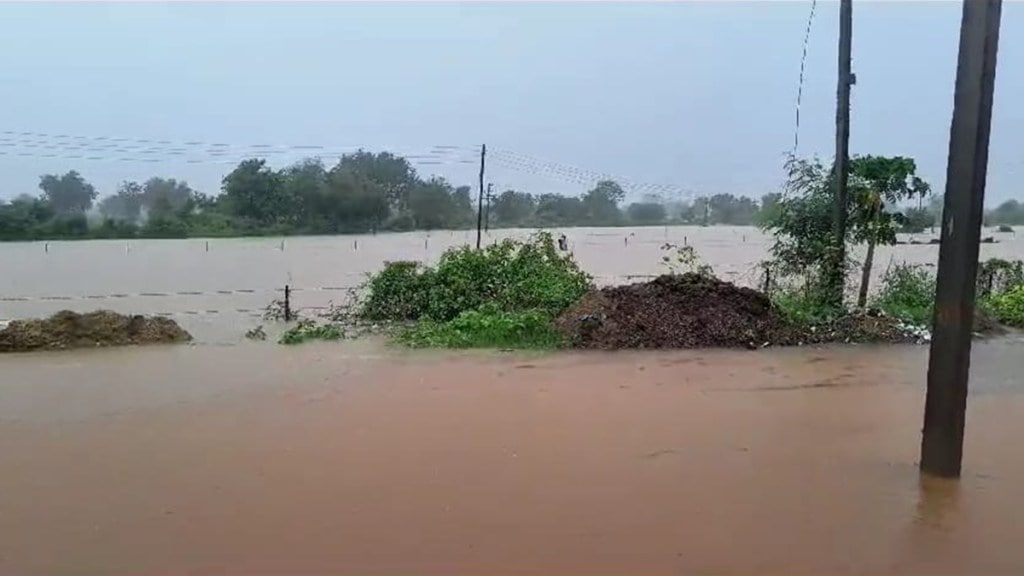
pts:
pixel 646 213
pixel 67 194
pixel 601 204
pixel 1010 213
pixel 557 210
pixel 769 209
pixel 165 195
pixel 877 183
pixel 393 174
pixel 433 206
pixel 513 208
pixel 125 204
pixel 254 193
pixel 803 225
pixel 352 202
pixel 305 192
pixel 729 209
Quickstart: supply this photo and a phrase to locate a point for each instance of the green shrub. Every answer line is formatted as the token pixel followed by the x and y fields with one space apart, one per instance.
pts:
pixel 516 276
pixel 1008 307
pixel 505 295
pixel 997 276
pixel 307 330
pixel 398 292
pixel 804 306
pixel 908 293
pixel 488 327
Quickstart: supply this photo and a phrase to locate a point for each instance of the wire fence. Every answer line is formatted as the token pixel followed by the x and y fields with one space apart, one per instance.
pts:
pixel 340 298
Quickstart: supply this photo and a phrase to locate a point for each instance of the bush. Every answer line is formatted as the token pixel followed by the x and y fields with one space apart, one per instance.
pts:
pixel 398 292
pixel 804 306
pixel 307 330
pixel 908 293
pixel 505 294
pixel 516 276
pixel 1008 307
pixel 489 327
pixel 997 276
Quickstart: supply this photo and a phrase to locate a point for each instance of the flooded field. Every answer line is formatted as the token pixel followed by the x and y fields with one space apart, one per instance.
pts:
pixel 357 459
pixel 215 287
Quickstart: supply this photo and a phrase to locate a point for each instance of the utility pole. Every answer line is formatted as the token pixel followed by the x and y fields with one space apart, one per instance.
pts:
pixel 487 208
pixel 480 194
pixel 949 359
pixel 841 167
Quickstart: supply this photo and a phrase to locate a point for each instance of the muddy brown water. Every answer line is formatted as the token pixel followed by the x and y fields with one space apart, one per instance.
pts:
pixel 355 458
pixel 214 287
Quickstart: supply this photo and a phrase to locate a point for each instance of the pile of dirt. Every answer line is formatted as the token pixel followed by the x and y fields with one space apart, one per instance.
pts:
pixel 694 311
pixel 674 311
pixel 67 329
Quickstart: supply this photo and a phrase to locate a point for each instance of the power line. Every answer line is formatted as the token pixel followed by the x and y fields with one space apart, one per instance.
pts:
pixel 800 85
pixel 571 174
pixel 121 142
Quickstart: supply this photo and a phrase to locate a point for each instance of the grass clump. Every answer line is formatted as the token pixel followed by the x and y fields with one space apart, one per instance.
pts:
pixel 908 293
pixel 307 330
pixel 488 327
pixel 506 295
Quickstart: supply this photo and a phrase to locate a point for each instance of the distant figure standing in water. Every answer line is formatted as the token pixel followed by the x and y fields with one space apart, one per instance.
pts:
pixel 563 243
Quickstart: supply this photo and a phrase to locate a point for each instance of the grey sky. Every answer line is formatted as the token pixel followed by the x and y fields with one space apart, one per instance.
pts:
pixel 699 96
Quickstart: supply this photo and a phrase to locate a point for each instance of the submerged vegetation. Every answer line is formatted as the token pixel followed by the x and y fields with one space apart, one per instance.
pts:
pixel 506 295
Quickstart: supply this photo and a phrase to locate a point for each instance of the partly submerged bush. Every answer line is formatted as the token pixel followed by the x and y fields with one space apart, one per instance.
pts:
pixel 398 292
pixel 505 295
pixel 306 330
pixel 1008 307
pixel 908 293
pixel 488 327
pixel 997 276
pixel 804 306
pixel 513 275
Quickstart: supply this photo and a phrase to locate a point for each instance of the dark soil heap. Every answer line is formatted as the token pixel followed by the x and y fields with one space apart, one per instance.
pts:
pixel 67 329
pixel 677 311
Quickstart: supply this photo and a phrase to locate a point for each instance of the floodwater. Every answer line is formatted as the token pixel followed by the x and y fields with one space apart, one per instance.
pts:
pixel 231 457
pixel 217 288
pixel 354 458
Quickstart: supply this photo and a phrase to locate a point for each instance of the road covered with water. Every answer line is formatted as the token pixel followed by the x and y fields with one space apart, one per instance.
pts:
pixel 360 458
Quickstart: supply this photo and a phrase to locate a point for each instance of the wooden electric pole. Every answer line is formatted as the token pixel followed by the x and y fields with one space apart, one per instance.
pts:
pixel 949 359
pixel 841 168
pixel 480 195
pixel 487 208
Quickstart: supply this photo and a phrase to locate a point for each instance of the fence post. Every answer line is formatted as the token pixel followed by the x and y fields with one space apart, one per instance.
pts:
pixel 287 303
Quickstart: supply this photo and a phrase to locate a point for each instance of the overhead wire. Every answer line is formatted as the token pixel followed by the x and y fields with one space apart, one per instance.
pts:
pixel 800 83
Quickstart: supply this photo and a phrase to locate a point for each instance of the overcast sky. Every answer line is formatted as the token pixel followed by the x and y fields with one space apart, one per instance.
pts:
pixel 693 97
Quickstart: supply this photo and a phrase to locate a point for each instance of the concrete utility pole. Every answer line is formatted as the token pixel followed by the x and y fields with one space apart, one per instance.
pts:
pixel 480 195
pixel 949 359
pixel 841 167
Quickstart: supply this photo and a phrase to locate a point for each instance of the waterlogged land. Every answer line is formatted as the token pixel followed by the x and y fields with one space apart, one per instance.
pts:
pixel 215 288
pixel 359 457
pixel 355 458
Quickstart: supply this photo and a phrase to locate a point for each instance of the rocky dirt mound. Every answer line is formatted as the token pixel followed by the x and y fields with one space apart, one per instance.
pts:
pixel 684 311
pixel 68 329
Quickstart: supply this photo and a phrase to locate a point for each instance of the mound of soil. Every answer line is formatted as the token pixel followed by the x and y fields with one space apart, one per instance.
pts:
pixel 693 311
pixel 677 311
pixel 67 329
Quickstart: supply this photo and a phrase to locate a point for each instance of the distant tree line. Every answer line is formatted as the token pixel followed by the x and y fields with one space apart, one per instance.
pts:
pixel 362 192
